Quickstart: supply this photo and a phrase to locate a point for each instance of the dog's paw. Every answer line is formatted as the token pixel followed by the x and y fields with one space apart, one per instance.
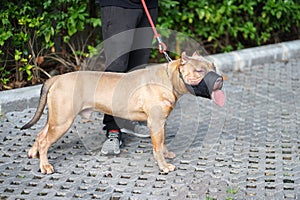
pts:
pixel 169 154
pixel 33 153
pixel 168 168
pixel 47 169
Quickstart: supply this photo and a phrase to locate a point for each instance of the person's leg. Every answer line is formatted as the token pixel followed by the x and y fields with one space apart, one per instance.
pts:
pixel 118 38
pixel 138 58
pixel 142 41
pixel 118 28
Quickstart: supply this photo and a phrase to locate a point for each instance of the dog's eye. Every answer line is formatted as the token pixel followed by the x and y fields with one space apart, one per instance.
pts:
pixel 200 71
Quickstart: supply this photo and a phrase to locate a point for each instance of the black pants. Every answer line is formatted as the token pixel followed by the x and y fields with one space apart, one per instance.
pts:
pixel 127 39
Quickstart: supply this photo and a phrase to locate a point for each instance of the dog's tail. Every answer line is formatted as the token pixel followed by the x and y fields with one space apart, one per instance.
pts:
pixel 42 103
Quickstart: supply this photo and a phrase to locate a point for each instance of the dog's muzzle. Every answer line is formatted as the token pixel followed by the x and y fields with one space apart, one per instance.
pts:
pixel 209 87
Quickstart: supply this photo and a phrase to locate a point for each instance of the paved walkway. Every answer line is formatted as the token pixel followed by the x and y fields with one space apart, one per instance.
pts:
pixel 248 149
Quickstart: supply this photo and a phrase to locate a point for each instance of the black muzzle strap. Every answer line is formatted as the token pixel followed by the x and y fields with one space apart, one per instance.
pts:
pixel 206 85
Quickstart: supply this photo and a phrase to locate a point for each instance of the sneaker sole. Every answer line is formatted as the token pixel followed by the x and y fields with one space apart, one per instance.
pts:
pixel 124 130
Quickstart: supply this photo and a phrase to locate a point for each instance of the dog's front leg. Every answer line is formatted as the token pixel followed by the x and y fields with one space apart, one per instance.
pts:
pixel 157 130
pixel 166 152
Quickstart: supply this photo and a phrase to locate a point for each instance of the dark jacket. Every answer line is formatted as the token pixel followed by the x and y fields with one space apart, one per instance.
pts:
pixel 128 3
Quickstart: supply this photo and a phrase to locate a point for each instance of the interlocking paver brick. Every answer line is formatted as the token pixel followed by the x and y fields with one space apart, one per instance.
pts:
pixel 248 149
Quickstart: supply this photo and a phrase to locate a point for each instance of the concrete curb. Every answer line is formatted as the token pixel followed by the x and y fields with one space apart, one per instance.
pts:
pixel 239 60
pixel 20 99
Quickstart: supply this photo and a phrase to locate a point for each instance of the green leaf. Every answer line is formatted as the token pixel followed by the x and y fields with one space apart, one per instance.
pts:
pixel 17 55
pixel 66 39
pixel 278 14
pixel 95 22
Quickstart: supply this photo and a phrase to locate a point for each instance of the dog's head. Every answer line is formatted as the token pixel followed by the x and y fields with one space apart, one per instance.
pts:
pixel 200 78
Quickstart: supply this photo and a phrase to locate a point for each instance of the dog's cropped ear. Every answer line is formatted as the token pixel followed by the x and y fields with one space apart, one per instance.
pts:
pixel 196 54
pixel 184 58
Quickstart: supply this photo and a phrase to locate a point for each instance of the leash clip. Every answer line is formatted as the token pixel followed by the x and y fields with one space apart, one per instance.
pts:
pixel 162 47
pixel 167 57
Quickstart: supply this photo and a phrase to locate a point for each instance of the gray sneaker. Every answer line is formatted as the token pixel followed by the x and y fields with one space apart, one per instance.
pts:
pixel 112 143
pixel 137 129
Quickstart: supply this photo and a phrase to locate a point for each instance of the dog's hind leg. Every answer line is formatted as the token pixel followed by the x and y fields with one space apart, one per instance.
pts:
pixel 33 151
pixel 49 135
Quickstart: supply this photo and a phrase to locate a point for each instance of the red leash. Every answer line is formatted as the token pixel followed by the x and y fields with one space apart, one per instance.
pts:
pixel 161 46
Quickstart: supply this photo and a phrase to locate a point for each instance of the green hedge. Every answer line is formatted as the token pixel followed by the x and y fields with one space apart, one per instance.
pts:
pixel 32 32
pixel 227 25
pixel 37 35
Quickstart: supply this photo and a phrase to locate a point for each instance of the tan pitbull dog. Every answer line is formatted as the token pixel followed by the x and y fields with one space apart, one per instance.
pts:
pixel 147 94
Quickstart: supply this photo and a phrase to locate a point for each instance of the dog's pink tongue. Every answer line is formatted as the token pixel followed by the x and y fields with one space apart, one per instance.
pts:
pixel 218 97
